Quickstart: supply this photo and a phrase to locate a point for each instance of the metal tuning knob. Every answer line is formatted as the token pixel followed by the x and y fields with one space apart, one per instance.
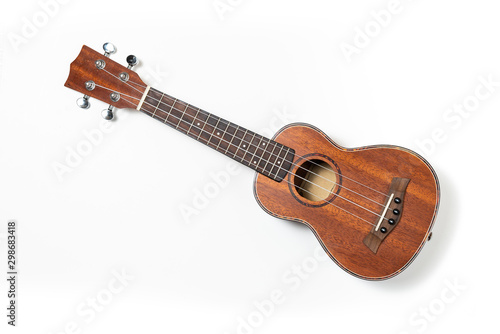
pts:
pixel 83 102
pixel 109 49
pixel 132 61
pixel 108 114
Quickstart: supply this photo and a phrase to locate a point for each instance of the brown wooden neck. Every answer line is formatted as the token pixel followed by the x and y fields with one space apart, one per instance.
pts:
pixel 265 156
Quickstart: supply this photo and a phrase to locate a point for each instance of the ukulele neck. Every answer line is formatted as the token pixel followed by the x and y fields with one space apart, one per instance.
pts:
pixel 264 155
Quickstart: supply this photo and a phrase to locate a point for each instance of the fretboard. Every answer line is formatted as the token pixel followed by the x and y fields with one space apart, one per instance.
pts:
pixel 265 156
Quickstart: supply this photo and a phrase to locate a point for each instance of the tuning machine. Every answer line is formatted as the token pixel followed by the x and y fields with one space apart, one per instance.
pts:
pixel 108 114
pixel 109 49
pixel 132 61
pixel 83 102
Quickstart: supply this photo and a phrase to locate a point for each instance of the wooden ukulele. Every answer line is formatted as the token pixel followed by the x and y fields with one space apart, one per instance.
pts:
pixel 372 208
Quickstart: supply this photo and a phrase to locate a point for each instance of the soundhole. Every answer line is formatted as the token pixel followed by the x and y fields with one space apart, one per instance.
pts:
pixel 315 180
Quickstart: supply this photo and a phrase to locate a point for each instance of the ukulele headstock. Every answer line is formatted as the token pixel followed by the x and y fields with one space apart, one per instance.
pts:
pixel 98 76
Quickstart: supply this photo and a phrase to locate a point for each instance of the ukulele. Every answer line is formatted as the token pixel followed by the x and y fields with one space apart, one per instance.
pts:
pixel 371 208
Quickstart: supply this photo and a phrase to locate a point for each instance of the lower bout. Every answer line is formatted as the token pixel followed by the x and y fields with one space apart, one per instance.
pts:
pixel 337 220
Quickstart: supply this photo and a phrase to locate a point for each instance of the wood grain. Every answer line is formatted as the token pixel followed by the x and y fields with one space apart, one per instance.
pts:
pixel 340 233
pixel 341 220
pixel 107 81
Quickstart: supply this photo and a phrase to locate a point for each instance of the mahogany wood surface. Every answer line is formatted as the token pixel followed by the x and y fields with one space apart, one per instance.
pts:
pixel 340 233
pixel 83 69
pixel 359 185
pixel 247 147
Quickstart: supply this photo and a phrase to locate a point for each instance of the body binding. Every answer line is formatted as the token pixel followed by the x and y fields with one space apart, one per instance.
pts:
pixel 343 220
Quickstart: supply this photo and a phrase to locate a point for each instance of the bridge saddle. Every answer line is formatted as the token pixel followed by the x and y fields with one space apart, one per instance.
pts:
pixel 390 215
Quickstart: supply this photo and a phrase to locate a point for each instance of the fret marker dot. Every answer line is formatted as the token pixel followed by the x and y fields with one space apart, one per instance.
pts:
pixel 218 133
pixel 198 124
pixel 279 162
pixel 255 162
pixel 263 144
pixel 244 146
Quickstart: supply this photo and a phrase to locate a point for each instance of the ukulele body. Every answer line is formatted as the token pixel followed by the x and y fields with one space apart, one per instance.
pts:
pixel 371 208
pixel 346 193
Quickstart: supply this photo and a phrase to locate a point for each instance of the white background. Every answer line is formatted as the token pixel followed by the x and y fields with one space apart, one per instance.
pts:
pixel 260 64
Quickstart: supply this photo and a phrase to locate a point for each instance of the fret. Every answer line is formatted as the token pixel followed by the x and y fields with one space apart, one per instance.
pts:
pixel 266 156
pixel 156 109
pixel 201 118
pixel 151 100
pixel 245 141
pixel 185 121
pixel 193 121
pixel 170 110
pixel 221 131
pixel 280 161
pixel 258 151
pixel 199 122
pixel 215 131
pixel 269 161
pixel 208 128
pixel 161 112
pixel 174 114
pixel 202 124
pixel 238 148
pixel 229 137
pixel 277 161
pixel 286 164
pixel 250 148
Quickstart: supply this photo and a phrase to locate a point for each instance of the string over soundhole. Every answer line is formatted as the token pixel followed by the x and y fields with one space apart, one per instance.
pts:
pixel 315 181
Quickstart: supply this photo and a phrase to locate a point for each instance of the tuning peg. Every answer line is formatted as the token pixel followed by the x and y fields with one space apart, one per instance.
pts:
pixel 132 61
pixel 107 114
pixel 83 102
pixel 109 49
